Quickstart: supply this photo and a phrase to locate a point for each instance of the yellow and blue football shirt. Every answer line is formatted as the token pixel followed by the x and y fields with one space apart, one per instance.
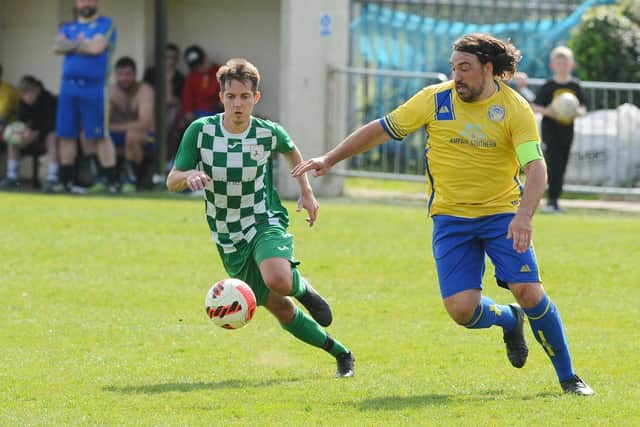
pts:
pixel 472 166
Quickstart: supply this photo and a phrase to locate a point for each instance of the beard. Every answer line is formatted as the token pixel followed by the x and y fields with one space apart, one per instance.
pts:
pixel 87 12
pixel 470 94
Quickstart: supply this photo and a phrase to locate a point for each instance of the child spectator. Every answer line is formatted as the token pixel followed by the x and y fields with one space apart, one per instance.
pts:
pixel 556 136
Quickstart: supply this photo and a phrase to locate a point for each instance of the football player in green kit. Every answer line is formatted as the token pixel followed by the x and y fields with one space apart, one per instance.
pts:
pixel 229 156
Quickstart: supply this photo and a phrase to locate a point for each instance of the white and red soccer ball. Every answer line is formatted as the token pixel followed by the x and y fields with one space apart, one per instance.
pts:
pixel 230 303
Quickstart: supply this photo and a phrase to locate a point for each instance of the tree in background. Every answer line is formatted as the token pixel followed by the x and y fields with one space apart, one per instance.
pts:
pixel 606 44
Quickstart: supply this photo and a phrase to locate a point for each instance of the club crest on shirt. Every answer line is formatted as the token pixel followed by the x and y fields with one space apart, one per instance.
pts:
pixel 496 113
pixel 257 152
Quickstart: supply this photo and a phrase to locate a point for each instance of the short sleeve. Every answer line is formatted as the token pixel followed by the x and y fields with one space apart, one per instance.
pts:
pixel 284 144
pixel 63 31
pixel 544 95
pixel 523 125
pixel 107 28
pixel 409 116
pixel 187 156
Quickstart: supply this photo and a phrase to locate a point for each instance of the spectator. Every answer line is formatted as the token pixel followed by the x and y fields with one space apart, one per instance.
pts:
pixel 200 97
pixel 175 87
pixel 37 110
pixel 520 82
pixel 131 120
pixel 86 45
pixel 9 100
pixel 556 136
pixel 175 78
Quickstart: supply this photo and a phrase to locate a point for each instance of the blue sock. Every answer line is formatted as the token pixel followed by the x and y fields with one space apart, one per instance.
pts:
pixel 489 313
pixel 547 327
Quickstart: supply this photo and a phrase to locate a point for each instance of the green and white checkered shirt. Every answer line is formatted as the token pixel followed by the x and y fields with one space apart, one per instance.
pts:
pixel 241 195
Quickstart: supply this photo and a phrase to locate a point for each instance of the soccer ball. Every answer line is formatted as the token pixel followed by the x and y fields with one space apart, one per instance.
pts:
pixel 230 303
pixel 565 106
pixel 12 131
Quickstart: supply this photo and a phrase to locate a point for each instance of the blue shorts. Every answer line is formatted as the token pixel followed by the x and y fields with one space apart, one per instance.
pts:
pixel 81 106
pixel 120 138
pixel 459 248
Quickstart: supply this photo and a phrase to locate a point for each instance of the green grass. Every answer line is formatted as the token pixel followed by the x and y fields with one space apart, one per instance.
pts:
pixel 419 188
pixel 402 187
pixel 103 323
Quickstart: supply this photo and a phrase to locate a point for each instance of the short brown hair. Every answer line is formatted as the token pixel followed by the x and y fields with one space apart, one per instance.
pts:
pixel 502 54
pixel 238 69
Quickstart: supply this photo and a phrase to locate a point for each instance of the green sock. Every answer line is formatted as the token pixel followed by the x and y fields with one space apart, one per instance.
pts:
pixel 299 286
pixel 306 329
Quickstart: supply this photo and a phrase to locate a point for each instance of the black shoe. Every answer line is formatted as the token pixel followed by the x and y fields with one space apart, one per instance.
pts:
pixel 52 187
pixel 317 306
pixel 517 350
pixel 9 184
pixel 576 386
pixel 345 365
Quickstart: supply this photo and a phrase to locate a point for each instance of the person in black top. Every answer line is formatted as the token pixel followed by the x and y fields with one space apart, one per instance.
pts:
pixel 557 136
pixel 175 85
pixel 37 110
pixel 175 78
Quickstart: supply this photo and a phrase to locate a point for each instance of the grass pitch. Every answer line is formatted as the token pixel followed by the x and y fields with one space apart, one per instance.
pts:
pixel 102 323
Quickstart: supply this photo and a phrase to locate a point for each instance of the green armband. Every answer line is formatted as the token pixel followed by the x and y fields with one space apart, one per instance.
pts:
pixel 528 152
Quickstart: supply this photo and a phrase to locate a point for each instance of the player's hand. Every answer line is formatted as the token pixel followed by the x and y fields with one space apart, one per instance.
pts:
pixel 308 202
pixel 520 231
pixel 319 165
pixel 197 180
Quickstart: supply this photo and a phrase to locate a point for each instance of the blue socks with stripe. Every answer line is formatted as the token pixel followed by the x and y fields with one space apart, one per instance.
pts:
pixel 488 313
pixel 545 323
pixel 547 327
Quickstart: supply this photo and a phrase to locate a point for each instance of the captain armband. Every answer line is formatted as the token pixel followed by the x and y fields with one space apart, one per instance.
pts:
pixel 528 152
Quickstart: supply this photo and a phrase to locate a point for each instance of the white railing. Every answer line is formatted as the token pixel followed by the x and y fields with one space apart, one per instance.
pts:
pixel 605 156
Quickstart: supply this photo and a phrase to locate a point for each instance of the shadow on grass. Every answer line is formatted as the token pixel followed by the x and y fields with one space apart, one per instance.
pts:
pixel 189 387
pixel 393 403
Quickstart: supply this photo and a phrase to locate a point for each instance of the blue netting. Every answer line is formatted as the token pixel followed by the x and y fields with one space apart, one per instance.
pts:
pixel 393 39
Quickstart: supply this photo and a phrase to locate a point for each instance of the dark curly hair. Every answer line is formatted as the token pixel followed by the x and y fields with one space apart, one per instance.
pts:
pixel 502 54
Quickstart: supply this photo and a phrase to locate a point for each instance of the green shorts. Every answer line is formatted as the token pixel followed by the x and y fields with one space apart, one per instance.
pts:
pixel 269 242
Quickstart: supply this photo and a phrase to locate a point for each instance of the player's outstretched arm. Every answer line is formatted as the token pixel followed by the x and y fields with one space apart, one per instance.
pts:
pixel 306 200
pixel 179 180
pixel 364 138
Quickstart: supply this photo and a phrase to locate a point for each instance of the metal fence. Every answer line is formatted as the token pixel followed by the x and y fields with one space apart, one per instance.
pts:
pixel 605 156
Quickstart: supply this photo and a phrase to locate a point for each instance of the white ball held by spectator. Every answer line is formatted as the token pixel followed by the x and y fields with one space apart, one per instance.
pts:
pixel 565 106
pixel 13 132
